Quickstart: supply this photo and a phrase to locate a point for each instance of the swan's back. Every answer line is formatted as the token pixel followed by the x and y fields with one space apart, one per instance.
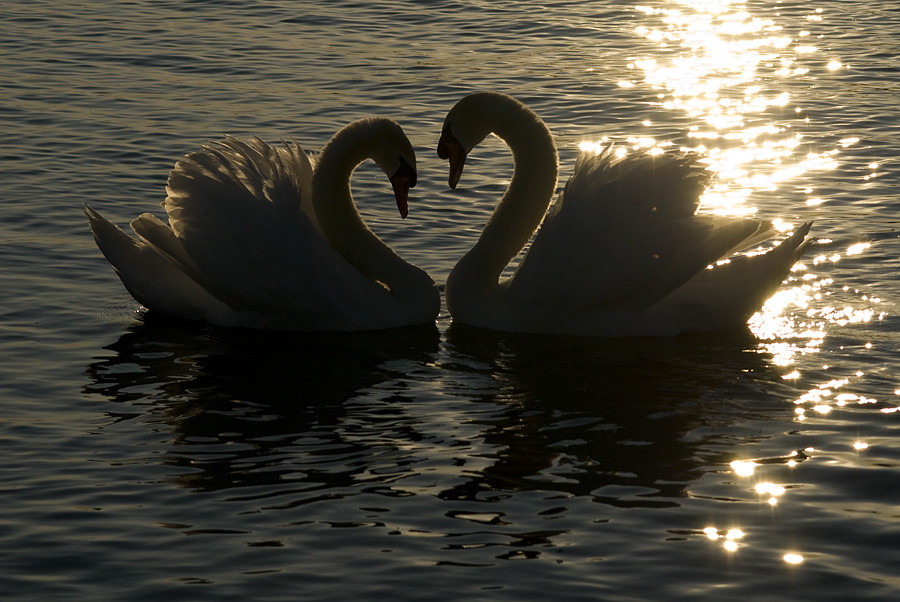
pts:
pixel 623 235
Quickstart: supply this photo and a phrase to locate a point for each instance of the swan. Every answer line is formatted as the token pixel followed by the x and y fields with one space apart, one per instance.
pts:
pixel 622 252
pixel 266 237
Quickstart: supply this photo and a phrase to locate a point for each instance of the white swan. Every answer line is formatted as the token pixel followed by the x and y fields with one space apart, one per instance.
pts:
pixel 621 253
pixel 258 238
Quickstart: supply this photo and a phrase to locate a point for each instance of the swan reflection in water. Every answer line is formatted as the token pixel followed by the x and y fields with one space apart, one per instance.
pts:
pixel 272 392
pixel 374 412
pixel 615 419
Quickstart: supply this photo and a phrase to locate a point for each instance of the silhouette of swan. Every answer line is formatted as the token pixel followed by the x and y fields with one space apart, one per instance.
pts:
pixel 622 252
pixel 257 237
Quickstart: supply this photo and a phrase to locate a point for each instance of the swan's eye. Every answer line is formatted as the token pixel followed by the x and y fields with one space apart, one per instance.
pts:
pixel 406 171
pixel 447 139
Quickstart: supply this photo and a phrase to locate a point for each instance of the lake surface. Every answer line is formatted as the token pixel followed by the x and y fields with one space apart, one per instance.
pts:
pixel 146 460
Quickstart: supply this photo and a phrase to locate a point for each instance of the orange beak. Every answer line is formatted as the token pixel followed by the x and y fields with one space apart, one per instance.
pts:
pixel 402 180
pixel 450 148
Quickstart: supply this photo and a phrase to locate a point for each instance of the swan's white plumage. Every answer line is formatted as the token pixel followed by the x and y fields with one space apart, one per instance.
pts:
pixel 244 245
pixel 622 251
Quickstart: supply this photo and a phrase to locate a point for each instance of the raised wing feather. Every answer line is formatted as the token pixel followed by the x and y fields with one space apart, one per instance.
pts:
pixel 229 181
pixel 243 226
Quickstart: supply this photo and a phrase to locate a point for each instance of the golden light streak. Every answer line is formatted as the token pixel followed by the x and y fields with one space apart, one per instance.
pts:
pixel 743 468
pixel 727 70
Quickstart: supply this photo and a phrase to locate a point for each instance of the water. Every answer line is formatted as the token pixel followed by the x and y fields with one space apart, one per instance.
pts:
pixel 148 460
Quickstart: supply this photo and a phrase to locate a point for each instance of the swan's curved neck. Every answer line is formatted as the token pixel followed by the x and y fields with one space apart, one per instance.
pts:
pixel 341 223
pixel 338 218
pixel 522 207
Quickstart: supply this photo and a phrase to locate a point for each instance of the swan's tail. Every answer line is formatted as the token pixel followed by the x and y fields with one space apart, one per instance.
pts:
pixel 799 241
pixel 765 272
pixel 729 293
pixel 150 275
pixel 119 249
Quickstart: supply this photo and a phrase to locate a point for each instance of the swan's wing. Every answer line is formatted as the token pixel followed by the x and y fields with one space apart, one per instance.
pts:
pixel 242 224
pixel 625 233
pixel 668 184
pixel 226 182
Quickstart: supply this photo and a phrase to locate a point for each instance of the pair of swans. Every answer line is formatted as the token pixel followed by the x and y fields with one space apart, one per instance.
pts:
pixel 268 237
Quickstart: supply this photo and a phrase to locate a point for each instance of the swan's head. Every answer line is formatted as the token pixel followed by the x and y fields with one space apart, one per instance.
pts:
pixel 384 141
pixel 403 178
pixel 394 154
pixel 464 128
pixel 449 147
pixel 469 122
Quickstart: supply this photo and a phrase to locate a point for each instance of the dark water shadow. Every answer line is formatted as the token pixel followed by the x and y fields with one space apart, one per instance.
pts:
pixel 254 391
pixel 627 421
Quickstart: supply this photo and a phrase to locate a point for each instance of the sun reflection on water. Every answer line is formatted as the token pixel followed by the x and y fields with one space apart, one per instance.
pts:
pixel 794 321
pixel 824 398
pixel 730 72
pixel 724 69
pixel 767 490
pixel 729 537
